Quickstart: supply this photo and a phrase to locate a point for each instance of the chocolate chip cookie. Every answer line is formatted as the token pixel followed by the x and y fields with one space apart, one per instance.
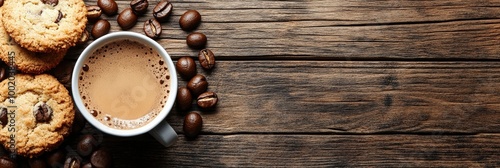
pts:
pixel 26 61
pixel 38 117
pixel 45 25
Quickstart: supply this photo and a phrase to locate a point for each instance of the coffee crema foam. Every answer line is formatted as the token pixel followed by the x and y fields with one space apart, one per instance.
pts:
pixel 124 84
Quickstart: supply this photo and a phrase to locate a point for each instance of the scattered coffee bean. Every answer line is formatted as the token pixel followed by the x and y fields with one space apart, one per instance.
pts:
pixel 3 116
pixel 6 162
pixel 184 98
pixel 56 158
pixel 196 40
pixel 37 163
pixel 198 84
pixel 152 28
pixel 101 27
pixel 3 72
pixel 59 17
pixel 50 2
pixel 88 165
pixel 139 6
pixel 190 20
pixel 109 7
pixel 192 124
pixel 186 67
pixel 86 145
pixel 206 58
pixel 207 100
pixel 127 19
pixel 72 162
pixel 84 38
pixel 162 10
pixel 93 12
pixel 101 158
pixel 42 112
pixel 78 123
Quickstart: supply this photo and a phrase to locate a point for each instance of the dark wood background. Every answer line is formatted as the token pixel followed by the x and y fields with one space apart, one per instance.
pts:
pixel 336 83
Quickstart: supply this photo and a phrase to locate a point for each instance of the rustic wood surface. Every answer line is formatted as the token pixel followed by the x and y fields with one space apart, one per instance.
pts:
pixel 336 83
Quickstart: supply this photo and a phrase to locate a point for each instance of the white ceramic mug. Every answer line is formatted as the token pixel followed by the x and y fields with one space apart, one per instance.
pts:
pixel 158 127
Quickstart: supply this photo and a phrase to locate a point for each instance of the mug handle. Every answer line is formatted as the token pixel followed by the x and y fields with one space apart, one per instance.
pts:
pixel 164 133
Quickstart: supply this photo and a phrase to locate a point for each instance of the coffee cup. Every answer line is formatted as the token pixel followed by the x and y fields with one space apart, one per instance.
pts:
pixel 124 84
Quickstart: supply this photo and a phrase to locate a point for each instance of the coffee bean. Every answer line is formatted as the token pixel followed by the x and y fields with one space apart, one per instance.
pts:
pixel 3 72
pixel 50 2
pixel 101 158
pixel 206 58
pixel 59 17
pixel 196 40
pixel 184 98
pixel 190 20
pixel 88 165
pixel 3 116
pixel 193 124
pixel 42 112
pixel 186 67
pixel 162 10
pixel 127 19
pixel 101 27
pixel 152 28
pixel 207 100
pixel 93 12
pixel 37 163
pixel 72 162
pixel 198 84
pixel 84 38
pixel 139 6
pixel 109 7
pixel 6 162
pixel 56 158
pixel 86 145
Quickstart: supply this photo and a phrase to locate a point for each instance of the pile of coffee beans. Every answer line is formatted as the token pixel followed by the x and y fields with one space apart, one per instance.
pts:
pixel 81 149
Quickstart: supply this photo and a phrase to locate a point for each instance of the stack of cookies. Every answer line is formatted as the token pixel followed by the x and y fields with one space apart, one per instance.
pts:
pixel 36 110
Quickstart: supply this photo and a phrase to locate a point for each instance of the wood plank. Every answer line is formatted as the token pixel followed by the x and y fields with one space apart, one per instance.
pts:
pixel 310 150
pixel 346 97
pixel 336 30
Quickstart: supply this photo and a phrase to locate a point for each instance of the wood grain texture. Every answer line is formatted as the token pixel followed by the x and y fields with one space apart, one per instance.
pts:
pixel 252 150
pixel 335 83
pixel 336 30
pixel 352 97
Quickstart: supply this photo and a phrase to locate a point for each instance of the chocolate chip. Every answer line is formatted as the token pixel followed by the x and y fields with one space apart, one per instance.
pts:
pixel 59 17
pixel 3 72
pixel 42 112
pixel 1 3
pixel 50 2
pixel 3 116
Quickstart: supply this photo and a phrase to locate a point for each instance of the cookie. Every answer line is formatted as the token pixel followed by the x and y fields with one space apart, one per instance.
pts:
pixel 26 61
pixel 40 116
pixel 44 25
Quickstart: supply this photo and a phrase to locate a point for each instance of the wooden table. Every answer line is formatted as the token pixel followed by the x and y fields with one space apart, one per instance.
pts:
pixel 336 83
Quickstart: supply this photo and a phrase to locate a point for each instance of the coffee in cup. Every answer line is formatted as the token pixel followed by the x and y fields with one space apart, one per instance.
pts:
pixel 124 84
